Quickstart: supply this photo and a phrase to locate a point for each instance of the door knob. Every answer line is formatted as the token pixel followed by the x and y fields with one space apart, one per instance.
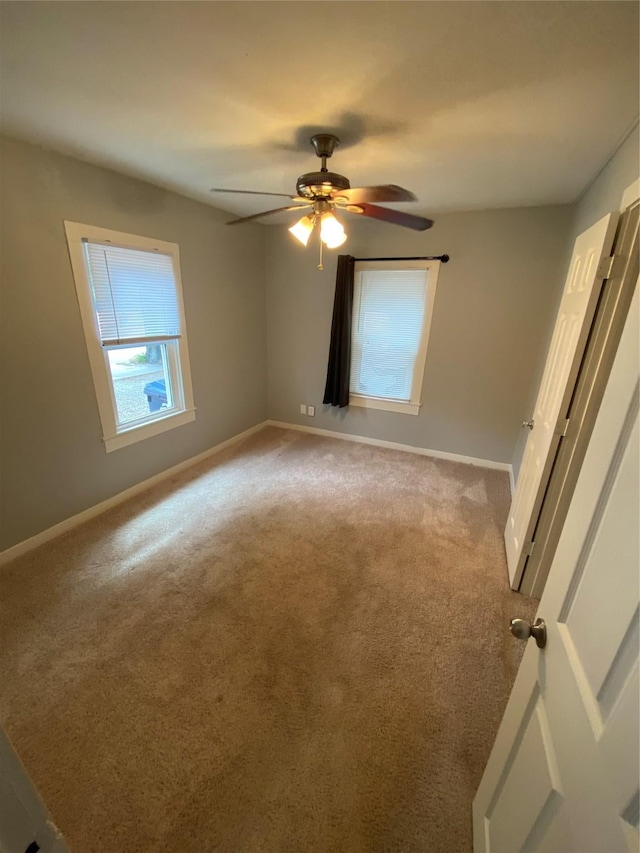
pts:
pixel 529 424
pixel 522 630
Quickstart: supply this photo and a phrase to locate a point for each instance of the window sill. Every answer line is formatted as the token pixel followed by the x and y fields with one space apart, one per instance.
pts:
pixel 385 405
pixel 139 433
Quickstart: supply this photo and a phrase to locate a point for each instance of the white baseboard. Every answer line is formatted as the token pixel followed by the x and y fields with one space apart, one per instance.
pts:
pixel 393 445
pixel 103 506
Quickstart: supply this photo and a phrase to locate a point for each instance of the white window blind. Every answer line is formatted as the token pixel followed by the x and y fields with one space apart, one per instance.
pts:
pixel 134 294
pixel 388 315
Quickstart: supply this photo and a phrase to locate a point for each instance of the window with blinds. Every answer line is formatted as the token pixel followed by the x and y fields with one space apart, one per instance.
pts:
pixel 392 309
pixel 134 294
pixel 130 299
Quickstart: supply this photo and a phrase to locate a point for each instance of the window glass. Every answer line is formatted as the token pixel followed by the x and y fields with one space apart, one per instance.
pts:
pixel 141 382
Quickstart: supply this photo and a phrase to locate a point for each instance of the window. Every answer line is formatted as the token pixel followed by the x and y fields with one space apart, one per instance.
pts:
pixel 392 309
pixel 130 300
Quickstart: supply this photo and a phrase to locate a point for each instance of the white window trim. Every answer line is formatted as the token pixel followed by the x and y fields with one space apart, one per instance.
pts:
pixel 115 437
pixel 414 404
pixel 384 404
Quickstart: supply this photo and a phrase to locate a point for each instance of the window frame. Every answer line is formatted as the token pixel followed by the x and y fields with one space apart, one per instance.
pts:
pixel 113 435
pixel 414 404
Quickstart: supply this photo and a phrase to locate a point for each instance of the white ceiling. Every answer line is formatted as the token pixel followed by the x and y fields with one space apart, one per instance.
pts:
pixel 469 104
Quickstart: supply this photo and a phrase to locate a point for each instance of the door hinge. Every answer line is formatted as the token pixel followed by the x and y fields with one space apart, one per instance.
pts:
pixel 611 267
pixel 561 427
pixel 528 548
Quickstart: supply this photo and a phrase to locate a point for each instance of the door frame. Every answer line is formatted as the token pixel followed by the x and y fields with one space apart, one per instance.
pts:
pixel 604 337
pixel 588 268
pixel 595 368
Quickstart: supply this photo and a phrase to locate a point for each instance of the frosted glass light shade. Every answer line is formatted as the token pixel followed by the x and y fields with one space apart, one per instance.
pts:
pixel 303 228
pixel 331 231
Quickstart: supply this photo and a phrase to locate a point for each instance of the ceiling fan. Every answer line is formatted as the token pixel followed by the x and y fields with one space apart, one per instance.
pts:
pixel 323 193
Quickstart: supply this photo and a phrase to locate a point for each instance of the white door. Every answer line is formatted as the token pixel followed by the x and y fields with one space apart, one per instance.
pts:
pixel 570 334
pixel 563 774
pixel 25 823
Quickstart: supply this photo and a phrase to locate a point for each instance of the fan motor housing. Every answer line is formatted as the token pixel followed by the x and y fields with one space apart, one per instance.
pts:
pixel 321 184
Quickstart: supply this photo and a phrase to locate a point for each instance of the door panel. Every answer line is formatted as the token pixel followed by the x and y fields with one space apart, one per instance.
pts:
pixel 616 746
pixel 567 346
pixel 511 819
pixel 563 774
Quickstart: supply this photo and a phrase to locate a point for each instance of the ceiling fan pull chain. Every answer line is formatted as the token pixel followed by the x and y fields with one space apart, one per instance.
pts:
pixel 320 267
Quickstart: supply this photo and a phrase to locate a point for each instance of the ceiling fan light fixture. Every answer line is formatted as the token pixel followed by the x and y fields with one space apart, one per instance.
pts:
pixel 331 231
pixel 303 228
pixel 325 192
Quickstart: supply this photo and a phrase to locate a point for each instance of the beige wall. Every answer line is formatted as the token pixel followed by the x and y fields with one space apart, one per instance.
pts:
pixel 53 461
pixel 494 303
pixel 603 195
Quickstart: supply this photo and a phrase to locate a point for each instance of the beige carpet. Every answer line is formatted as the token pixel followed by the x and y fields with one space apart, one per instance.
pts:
pixel 299 645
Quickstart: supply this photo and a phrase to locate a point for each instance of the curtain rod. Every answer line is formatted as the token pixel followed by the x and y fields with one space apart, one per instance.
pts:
pixel 443 258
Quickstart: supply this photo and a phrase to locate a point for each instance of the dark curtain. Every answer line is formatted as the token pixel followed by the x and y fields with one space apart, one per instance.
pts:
pixel 336 391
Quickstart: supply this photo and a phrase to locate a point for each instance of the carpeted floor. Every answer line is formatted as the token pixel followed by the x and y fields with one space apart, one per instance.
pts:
pixel 298 645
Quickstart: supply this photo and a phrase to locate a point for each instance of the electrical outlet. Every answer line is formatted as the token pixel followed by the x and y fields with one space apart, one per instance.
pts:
pixel 303 409
pixel 311 410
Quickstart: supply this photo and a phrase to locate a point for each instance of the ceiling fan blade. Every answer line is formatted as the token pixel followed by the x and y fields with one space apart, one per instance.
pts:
pixel 247 192
pixel 360 195
pixel 268 213
pixel 397 217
